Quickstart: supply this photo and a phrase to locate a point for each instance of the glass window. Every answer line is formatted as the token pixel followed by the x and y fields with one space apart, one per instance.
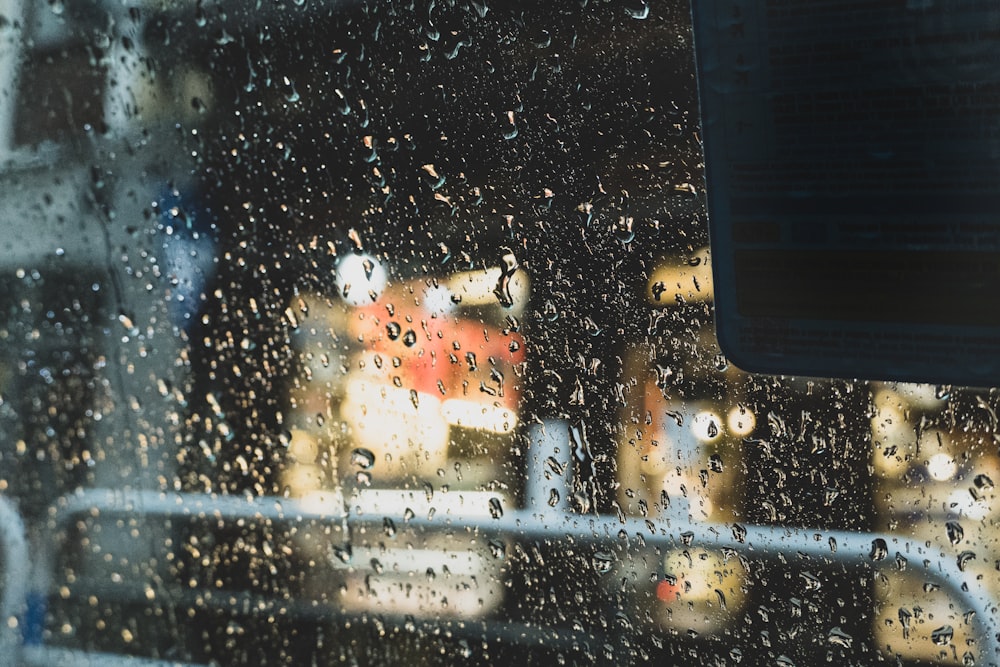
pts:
pixel 375 333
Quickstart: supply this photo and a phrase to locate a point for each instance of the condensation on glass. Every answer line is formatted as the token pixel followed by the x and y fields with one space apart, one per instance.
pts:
pixel 382 332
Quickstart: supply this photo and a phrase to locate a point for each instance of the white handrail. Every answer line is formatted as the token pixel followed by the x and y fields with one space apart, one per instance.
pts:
pixel 756 541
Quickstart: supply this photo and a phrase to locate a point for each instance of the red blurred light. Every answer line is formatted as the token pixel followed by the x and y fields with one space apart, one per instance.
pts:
pixel 666 591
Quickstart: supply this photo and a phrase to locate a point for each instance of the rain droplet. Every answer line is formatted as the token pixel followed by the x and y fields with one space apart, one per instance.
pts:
pixel 602 562
pixel 363 478
pixel 687 538
pixel 428 491
pixel 377 566
pixel 812 582
pixel 721 597
pixel 343 553
pixel 964 558
pixel 838 637
pixel 508 266
pixel 638 10
pixel 498 548
pixel 879 549
pixel 954 531
pixel 715 463
pixel 904 621
pixel 363 458
pixel 554 465
pixel 784 661
pixel 983 482
pixel 496 510
pixel 739 533
pixel 942 636
pixel 392 330
pixel 389 526
pixel 553 497
pixel 408 514
pixel 409 338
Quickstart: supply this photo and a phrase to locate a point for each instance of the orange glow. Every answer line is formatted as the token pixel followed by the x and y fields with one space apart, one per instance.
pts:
pixel 666 591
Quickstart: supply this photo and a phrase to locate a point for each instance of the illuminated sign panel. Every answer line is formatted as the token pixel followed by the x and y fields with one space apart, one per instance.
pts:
pixel 853 168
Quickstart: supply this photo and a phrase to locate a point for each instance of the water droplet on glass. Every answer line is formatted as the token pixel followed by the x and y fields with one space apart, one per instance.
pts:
pixel 508 266
pixel 955 531
pixel 687 538
pixel 715 463
pixel 638 9
pixel 498 548
pixel 363 458
pixel 553 497
pixel 410 338
pixel 983 483
pixel 408 514
pixel 720 596
pixel 392 330
pixel 904 621
pixel 389 526
pixel 721 363
pixel 879 549
pixel 942 636
pixel 812 582
pixel 363 478
pixel 964 558
pixel 838 637
pixel 554 465
pixel 602 562
pixel 377 566
pixel 496 510
pixel 784 661
pixel 343 553
pixel 739 533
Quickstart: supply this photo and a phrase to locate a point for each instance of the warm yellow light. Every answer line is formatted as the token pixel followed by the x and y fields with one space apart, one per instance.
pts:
pixel 740 421
pixel 396 425
pixel 706 426
pixel 325 503
pixel 475 288
pixel 692 281
pixel 482 416
pixel 941 467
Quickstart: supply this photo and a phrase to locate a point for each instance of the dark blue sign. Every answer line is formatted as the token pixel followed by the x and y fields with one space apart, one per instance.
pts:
pixel 853 166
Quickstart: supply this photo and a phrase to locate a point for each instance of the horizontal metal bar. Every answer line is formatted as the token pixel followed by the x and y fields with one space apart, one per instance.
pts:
pixel 599 530
pixel 45 656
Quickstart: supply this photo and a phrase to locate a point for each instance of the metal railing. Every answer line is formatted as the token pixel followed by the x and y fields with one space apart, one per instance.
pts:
pixel 593 531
